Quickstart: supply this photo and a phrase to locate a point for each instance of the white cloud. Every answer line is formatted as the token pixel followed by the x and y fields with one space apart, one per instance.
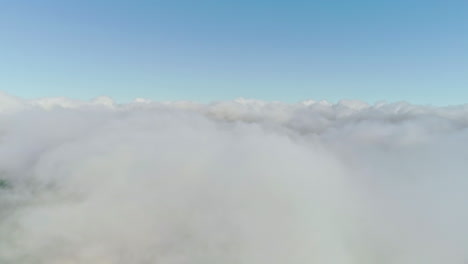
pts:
pixel 242 181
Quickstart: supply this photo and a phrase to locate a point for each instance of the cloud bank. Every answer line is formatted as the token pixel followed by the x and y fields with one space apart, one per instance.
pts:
pixel 242 181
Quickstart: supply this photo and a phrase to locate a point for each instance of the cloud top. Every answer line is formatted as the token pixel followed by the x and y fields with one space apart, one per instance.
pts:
pixel 240 181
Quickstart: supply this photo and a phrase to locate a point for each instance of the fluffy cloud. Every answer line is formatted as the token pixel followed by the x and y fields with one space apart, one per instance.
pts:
pixel 243 181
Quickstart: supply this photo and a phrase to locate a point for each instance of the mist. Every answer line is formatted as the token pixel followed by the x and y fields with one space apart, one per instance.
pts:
pixel 240 181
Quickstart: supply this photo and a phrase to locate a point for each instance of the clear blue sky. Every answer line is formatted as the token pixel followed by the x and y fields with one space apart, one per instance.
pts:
pixel 415 50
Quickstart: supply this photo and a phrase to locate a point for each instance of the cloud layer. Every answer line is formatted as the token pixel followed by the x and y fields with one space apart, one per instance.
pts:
pixel 242 181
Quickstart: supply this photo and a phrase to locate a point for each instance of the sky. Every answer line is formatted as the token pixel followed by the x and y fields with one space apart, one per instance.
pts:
pixel 412 50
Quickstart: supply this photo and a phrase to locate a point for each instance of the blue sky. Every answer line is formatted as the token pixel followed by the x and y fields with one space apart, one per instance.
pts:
pixel 292 50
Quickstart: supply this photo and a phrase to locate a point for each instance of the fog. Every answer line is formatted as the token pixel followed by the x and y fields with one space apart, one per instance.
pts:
pixel 241 182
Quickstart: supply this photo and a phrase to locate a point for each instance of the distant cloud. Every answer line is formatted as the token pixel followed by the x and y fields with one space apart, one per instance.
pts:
pixel 241 181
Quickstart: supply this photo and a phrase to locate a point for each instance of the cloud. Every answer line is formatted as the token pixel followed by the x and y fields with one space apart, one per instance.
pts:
pixel 242 181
